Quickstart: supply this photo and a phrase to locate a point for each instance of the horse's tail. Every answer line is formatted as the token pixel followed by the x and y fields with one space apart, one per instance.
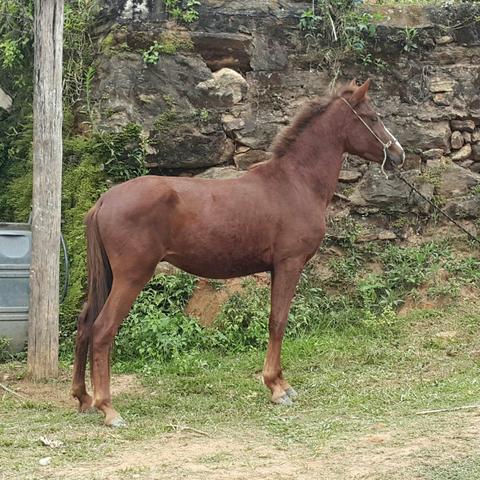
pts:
pixel 98 265
pixel 99 286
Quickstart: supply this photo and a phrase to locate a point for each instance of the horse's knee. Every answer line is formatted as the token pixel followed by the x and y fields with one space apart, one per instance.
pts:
pixel 83 334
pixel 82 318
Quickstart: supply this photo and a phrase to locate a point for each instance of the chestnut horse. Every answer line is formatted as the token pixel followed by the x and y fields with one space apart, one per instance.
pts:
pixel 271 219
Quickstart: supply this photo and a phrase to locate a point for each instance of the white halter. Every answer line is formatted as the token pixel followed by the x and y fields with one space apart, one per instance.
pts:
pixel 385 146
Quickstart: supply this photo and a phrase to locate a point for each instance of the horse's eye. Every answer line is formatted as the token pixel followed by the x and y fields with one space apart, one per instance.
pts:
pixel 375 118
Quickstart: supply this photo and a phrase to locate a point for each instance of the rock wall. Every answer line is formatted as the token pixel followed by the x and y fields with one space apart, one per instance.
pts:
pixel 224 86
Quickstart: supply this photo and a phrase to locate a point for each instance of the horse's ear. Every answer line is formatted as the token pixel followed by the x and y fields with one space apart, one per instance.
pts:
pixel 353 83
pixel 360 93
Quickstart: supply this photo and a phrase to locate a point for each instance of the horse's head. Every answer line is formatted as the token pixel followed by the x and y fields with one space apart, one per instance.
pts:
pixel 366 135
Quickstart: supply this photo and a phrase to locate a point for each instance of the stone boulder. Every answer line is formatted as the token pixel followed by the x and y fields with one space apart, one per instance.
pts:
pixel 220 50
pixel 375 191
pixel 187 147
pixel 245 157
pixel 456 181
pixel 127 90
pixel 464 208
pixel 349 176
pixel 463 154
pixel 476 152
pixel 457 140
pixel 184 129
pixel 417 136
pixel 226 88
pixel 463 125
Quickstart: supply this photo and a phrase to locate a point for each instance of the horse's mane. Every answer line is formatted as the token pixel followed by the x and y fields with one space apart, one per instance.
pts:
pixel 285 139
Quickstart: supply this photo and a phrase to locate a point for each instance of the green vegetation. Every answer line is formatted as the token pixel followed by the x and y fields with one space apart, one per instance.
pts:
pixel 335 29
pixel 157 328
pixel 395 3
pixel 88 159
pixel 117 156
pixel 152 55
pixel 122 153
pixel 83 182
pixel 4 350
pixel 169 43
pixel 183 11
pixel 15 76
pixel 463 469
pixel 410 44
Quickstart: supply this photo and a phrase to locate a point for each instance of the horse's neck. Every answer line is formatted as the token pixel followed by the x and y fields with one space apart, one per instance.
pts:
pixel 315 160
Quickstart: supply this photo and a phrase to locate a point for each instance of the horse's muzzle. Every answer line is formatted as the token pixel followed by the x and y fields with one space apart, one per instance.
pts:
pixel 396 156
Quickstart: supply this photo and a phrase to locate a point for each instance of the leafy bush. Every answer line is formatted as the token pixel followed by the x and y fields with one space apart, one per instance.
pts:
pixel 157 328
pixel 82 185
pixel 242 324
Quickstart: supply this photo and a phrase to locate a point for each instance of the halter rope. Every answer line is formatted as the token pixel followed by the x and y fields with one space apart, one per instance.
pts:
pixel 385 146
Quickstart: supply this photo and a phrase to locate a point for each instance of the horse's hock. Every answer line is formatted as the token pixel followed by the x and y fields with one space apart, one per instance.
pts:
pixel 238 74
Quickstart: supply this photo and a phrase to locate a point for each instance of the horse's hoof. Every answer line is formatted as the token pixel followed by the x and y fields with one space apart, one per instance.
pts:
pixel 292 394
pixel 117 422
pixel 283 400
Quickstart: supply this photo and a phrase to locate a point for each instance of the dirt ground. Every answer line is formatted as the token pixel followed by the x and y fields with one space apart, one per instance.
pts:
pixel 191 454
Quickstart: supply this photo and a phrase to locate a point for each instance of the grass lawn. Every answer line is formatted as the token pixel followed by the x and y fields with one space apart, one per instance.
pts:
pixel 205 415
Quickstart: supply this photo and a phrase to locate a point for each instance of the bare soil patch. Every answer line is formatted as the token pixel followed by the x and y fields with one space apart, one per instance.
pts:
pixel 378 455
pixel 208 299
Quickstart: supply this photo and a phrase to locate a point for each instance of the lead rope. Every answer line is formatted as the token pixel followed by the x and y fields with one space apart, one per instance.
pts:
pixel 386 146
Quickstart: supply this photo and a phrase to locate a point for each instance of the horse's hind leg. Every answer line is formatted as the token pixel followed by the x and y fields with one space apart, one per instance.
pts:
pixel 79 389
pixel 125 289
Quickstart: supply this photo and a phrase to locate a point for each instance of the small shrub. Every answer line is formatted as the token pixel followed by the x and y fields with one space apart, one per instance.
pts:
pixel 122 153
pixel 152 55
pixel 242 324
pixel 339 29
pixel 183 11
pixel 410 39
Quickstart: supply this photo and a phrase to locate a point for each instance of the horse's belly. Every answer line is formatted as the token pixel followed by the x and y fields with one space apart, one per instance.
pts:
pixel 217 265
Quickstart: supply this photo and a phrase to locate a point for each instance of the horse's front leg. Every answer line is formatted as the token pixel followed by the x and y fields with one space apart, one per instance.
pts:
pixel 285 277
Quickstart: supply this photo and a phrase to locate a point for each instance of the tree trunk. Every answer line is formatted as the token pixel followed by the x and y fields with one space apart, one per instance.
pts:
pixel 47 180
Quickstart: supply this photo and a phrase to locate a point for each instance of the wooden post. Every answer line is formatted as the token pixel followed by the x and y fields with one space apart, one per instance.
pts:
pixel 47 180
